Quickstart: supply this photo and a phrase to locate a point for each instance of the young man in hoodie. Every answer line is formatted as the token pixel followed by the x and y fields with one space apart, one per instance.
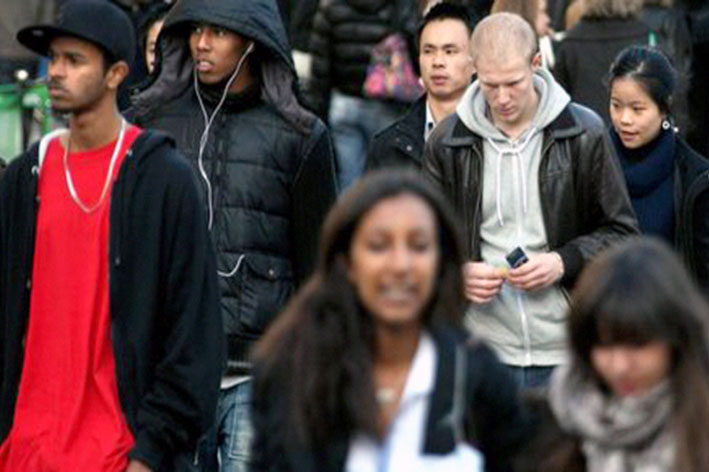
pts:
pixel 110 347
pixel 529 172
pixel 225 89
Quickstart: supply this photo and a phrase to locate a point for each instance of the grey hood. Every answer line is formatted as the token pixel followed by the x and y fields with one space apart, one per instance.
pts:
pixel 258 20
pixel 472 108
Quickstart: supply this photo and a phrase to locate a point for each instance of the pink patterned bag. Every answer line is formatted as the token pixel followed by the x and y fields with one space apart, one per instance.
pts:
pixel 390 75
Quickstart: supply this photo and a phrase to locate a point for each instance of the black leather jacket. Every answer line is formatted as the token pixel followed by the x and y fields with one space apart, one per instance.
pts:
pixel 692 211
pixel 585 203
pixel 401 143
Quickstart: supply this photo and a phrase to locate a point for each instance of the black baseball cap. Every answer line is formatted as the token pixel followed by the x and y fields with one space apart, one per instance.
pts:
pixel 98 21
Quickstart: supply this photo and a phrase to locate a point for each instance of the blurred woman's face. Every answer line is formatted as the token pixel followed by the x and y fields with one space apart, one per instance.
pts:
pixel 629 369
pixel 151 43
pixel 542 23
pixel 394 258
pixel 635 115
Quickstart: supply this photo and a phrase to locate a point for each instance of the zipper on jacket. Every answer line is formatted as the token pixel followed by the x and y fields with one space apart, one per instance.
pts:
pixel 217 166
pixel 526 340
pixel 520 215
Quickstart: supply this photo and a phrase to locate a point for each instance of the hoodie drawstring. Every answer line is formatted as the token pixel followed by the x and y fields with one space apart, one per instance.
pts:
pixel 517 152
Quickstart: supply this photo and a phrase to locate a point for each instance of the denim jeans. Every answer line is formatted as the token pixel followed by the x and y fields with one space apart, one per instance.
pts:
pixel 532 376
pixel 354 121
pixel 227 445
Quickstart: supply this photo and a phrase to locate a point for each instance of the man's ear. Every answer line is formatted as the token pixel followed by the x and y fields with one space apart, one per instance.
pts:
pixel 116 74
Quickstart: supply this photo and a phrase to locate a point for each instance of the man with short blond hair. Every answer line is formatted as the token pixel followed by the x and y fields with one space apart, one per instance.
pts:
pixel 531 175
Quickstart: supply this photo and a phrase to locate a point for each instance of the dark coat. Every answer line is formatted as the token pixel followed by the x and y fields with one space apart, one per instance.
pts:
pixel 343 37
pixel 674 38
pixel 551 449
pixel 692 211
pixel 165 323
pixel 401 143
pixel 585 204
pixel 300 22
pixel 269 163
pixel 494 420
pixel 586 53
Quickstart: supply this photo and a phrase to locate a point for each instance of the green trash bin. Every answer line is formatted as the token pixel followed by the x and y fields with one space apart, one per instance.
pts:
pixel 10 122
pixel 16 99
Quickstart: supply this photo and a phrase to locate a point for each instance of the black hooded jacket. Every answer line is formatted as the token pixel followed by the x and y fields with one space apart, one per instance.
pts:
pixel 165 327
pixel 268 163
pixel 343 37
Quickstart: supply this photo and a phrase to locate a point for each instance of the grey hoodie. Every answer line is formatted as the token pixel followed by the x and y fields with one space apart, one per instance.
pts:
pixel 525 328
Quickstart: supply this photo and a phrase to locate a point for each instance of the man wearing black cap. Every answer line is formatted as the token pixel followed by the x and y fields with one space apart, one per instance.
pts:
pixel 225 88
pixel 109 325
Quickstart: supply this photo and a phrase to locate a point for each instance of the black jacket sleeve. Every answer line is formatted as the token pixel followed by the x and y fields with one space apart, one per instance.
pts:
pixel 319 85
pixel 500 423
pixel 179 403
pixel 314 192
pixel 701 240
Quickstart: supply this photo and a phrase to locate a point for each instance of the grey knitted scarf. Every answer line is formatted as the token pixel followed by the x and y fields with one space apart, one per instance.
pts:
pixel 618 434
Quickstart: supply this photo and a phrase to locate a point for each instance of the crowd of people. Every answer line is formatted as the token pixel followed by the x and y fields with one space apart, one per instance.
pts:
pixel 236 255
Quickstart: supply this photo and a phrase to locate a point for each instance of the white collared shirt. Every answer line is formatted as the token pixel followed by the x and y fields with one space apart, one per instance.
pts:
pixel 402 449
pixel 430 122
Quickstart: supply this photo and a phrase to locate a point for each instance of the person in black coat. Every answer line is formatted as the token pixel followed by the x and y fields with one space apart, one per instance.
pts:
pixel 370 358
pixel 344 36
pixel 668 182
pixel 587 50
pixel 225 87
pixel 446 70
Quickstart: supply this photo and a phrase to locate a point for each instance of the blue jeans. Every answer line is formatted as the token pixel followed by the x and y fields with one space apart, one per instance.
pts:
pixel 531 377
pixel 354 121
pixel 227 445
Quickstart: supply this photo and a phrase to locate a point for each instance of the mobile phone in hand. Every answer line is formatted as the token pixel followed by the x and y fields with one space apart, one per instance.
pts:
pixel 516 257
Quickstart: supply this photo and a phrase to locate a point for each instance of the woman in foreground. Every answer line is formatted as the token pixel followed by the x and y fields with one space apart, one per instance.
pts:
pixel 368 369
pixel 635 395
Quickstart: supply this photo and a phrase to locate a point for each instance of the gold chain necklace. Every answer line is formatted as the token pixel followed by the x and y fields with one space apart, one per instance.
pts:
pixel 70 183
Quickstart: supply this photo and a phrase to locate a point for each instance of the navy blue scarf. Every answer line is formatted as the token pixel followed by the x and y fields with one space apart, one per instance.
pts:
pixel 649 174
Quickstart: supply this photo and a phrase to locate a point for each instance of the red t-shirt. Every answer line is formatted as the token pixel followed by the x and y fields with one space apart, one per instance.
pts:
pixel 68 416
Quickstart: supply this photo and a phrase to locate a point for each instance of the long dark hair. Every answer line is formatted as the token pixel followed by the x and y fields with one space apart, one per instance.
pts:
pixel 640 292
pixel 318 353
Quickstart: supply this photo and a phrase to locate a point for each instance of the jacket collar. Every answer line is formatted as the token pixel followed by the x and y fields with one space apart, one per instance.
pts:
pixel 564 126
pixel 413 122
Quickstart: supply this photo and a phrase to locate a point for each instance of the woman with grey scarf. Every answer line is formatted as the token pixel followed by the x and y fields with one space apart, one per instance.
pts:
pixel 635 394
